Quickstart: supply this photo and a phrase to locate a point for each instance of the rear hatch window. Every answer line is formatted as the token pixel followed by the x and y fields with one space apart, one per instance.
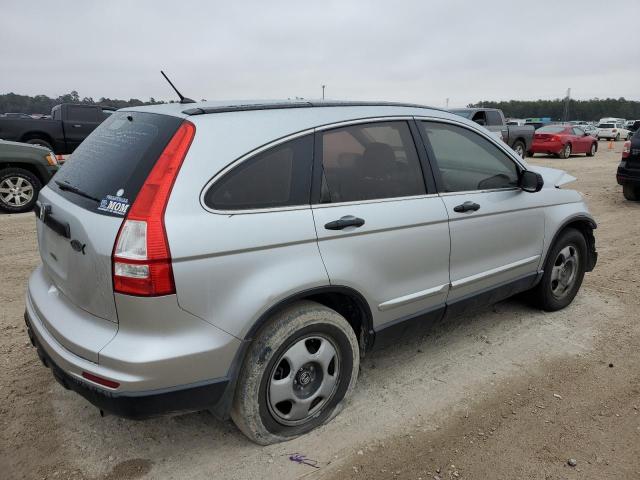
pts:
pixel 107 170
pixel 606 125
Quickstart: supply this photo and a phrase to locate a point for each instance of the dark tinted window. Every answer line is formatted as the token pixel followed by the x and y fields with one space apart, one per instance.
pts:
pixel 82 114
pixel 468 161
pixel 493 118
pixel 116 158
pixel 278 177
pixel 370 161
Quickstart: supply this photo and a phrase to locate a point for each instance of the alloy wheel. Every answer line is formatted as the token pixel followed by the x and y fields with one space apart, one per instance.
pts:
pixel 16 191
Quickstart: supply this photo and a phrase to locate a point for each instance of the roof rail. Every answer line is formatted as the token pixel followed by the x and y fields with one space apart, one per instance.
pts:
pixel 283 105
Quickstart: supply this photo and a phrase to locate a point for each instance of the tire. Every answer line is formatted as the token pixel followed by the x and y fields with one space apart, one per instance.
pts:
pixel 18 190
pixel 295 332
pixel 558 288
pixel 529 154
pixel 519 148
pixel 631 192
pixel 592 151
pixel 566 151
pixel 39 141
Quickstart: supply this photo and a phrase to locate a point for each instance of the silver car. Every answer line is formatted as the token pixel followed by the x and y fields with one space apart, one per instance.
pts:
pixel 242 257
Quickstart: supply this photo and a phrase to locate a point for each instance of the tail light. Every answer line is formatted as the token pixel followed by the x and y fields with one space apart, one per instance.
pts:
pixel 555 138
pixel 614 130
pixel 141 257
pixel 626 149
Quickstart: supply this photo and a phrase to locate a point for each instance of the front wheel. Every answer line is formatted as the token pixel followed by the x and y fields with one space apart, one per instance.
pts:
pixel 563 272
pixel 631 193
pixel 592 151
pixel 298 373
pixel 18 190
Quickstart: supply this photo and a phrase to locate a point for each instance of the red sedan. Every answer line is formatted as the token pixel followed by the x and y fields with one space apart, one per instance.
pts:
pixel 563 140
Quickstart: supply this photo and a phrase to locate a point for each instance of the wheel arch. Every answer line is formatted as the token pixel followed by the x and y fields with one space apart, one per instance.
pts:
pixel 347 301
pixel 33 134
pixel 585 225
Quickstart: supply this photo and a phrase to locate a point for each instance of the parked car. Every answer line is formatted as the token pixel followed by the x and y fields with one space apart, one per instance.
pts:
pixel 562 141
pixel 517 137
pixel 24 169
pixel 629 169
pixel 240 257
pixel 612 131
pixel 70 124
pixel 633 127
pixel 590 129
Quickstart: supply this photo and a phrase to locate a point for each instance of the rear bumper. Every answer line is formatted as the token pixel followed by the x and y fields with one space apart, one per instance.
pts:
pixel 628 176
pixel 546 147
pixel 135 406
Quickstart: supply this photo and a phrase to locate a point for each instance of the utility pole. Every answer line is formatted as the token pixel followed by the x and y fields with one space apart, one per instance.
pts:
pixel 565 114
pixel 323 91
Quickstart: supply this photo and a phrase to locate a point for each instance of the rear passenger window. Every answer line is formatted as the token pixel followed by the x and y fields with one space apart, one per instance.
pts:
pixel 82 114
pixel 370 161
pixel 278 177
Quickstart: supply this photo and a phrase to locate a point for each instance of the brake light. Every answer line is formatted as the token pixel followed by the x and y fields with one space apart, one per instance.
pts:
pixel 555 138
pixel 614 130
pixel 141 259
pixel 626 149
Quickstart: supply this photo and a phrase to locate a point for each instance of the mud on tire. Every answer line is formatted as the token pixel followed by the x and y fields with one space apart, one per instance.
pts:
pixel 270 363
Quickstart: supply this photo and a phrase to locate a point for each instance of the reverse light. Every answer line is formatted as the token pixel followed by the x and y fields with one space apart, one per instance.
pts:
pixel 141 258
pixel 626 149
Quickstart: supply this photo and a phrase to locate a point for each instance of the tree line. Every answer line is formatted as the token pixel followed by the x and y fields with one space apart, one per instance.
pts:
pixel 42 104
pixel 590 110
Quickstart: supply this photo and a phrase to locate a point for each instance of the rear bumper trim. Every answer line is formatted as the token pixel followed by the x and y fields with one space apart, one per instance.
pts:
pixel 135 405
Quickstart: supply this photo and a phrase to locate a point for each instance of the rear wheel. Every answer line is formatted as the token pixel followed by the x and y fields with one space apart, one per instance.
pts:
pixel 519 148
pixel 631 193
pixel 529 153
pixel 563 272
pixel 18 190
pixel 566 151
pixel 298 373
pixel 592 151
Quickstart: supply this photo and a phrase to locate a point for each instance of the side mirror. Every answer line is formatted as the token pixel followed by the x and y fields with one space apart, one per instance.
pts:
pixel 531 181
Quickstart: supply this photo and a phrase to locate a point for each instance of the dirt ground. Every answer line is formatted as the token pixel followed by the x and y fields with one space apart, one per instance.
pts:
pixel 510 392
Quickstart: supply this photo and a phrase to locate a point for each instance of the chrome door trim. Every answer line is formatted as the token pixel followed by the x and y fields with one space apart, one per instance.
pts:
pixel 412 297
pixel 494 271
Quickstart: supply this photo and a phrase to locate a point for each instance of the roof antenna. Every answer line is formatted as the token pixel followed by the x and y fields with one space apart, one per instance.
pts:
pixel 183 99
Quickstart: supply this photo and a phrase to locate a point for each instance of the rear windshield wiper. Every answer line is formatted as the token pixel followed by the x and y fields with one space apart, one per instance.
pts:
pixel 70 188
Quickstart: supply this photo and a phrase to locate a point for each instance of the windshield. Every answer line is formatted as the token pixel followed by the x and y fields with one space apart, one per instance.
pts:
pixel 463 113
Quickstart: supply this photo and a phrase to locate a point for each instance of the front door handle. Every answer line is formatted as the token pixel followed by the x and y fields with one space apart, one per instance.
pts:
pixel 76 125
pixel 344 222
pixel 466 207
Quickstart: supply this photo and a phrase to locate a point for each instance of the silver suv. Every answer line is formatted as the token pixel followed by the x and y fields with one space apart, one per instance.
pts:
pixel 242 257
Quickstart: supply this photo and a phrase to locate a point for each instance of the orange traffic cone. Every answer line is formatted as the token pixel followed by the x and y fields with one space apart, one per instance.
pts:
pixel 610 144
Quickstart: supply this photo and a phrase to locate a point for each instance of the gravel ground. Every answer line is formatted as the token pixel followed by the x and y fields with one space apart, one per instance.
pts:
pixel 510 392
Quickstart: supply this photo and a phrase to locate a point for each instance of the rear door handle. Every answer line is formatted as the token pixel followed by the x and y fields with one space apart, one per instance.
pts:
pixel 77 125
pixel 344 222
pixel 466 207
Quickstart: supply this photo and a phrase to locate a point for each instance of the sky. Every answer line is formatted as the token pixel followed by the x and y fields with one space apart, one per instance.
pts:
pixel 394 50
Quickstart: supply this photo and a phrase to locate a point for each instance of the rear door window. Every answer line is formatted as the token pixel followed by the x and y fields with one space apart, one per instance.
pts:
pixel 369 161
pixel 277 177
pixel 115 159
pixel 82 114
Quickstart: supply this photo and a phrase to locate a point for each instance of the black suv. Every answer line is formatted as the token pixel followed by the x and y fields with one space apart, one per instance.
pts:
pixel 629 169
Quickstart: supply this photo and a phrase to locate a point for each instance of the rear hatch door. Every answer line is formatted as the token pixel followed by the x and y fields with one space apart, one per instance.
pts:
pixel 81 209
